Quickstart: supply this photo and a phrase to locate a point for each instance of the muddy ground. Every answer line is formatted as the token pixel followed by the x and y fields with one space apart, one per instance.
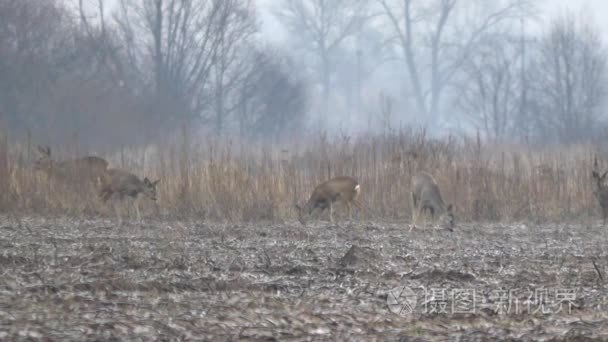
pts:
pixel 68 279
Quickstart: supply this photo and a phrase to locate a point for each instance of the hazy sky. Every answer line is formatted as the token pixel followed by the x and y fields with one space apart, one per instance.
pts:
pixel 548 9
pixel 595 9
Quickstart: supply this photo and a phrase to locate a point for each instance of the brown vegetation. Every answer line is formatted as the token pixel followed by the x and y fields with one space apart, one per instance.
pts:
pixel 247 182
pixel 600 190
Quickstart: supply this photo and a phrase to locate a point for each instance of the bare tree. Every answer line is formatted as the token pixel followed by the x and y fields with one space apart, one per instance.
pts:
pixel 101 40
pixel 231 64
pixel 180 41
pixel 273 97
pixel 322 26
pixel 570 81
pixel 436 37
pixel 490 89
pixel 37 51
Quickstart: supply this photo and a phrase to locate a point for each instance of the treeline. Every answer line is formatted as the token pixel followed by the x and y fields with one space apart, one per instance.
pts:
pixel 141 71
pixel 492 67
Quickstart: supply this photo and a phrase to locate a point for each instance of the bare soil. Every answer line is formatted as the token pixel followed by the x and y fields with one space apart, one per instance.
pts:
pixel 79 279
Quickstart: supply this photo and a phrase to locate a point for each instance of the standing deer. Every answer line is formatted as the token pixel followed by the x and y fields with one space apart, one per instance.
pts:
pixel 124 184
pixel 601 190
pixel 339 189
pixel 426 195
pixel 87 168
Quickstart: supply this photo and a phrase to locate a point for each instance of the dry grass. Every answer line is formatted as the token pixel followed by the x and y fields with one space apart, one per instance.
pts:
pixel 248 182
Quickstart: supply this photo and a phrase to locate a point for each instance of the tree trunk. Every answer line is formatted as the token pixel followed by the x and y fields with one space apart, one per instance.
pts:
pixel 325 89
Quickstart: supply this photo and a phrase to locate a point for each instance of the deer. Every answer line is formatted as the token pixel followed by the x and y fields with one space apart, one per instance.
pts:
pixel 339 189
pixel 122 184
pixel 87 168
pixel 427 196
pixel 600 190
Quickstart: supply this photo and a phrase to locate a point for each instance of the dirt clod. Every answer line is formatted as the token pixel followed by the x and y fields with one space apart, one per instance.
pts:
pixel 358 256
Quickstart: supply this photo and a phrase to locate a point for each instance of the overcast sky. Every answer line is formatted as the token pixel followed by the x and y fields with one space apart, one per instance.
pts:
pixel 595 9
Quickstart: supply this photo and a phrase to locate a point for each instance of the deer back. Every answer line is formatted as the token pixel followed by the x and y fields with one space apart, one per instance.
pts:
pixel 427 191
pixel 338 188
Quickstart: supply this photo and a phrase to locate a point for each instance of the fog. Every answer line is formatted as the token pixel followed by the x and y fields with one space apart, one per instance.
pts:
pixel 133 72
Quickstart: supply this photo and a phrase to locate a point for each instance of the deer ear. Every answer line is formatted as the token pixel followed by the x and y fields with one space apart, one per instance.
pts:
pixel 156 182
pixel 594 174
pixel 450 208
pixel 146 180
pixel 297 206
pixel 604 175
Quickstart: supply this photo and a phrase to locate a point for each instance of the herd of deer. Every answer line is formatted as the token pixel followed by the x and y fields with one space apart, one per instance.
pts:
pixel 121 184
pixel 110 182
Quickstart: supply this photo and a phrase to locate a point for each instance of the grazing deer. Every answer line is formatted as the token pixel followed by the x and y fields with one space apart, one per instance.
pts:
pixel 124 184
pixel 601 190
pixel 87 168
pixel 338 189
pixel 426 195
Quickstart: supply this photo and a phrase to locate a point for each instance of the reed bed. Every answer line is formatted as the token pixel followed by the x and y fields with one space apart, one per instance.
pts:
pixel 246 182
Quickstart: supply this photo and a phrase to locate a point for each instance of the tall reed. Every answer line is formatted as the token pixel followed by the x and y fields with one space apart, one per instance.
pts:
pixel 239 181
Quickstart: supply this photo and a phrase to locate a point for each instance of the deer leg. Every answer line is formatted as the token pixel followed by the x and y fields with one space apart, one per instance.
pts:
pixel 358 205
pixel 350 211
pixel 422 212
pixel 416 214
pixel 414 211
pixel 117 212
pixel 312 213
pixel 136 204
pixel 331 212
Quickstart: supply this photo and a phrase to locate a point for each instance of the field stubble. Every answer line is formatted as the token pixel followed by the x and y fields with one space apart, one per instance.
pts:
pixel 87 279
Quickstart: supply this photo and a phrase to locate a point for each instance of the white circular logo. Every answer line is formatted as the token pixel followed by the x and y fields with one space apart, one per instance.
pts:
pixel 401 300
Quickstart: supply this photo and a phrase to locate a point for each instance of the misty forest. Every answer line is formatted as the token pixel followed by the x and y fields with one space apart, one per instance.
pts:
pixel 287 169
pixel 127 72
